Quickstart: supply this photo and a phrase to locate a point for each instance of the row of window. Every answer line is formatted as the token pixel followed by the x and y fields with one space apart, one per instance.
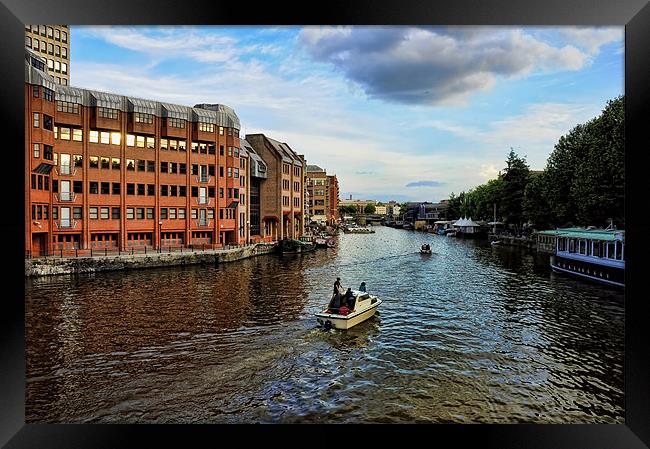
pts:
pixel 286 169
pixel 40 182
pixel 40 212
pixel 50 32
pixel 48 123
pixel 47 151
pixel 48 94
pixel 44 47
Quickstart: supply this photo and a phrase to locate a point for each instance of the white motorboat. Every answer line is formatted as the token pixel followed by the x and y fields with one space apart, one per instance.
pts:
pixel 365 307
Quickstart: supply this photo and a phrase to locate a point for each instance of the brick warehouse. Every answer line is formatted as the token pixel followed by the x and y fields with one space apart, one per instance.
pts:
pixel 110 171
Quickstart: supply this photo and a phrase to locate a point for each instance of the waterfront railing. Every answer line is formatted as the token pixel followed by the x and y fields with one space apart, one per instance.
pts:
pixel 106 252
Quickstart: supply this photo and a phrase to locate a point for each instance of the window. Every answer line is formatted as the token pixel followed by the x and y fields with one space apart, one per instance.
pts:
pixel 115 213
pixel 92 213
pixel 130 213
pixel 229 151
pixel 221 133
pixel 173 190
pixel 163 213
pixel 116 188
pixel 35 91
pixel 174 122
pixel 172 214
pixel 150 213
pixel 181 213
pixel 115 163
pixel 242 163
pixel 194 213
pixel 36 120
pixel 130 140
pixel 139 141
pixel 210 213
pixel 195 191
pixel 64 68
pixel 37 150
pixel 106 188
pixel 104 137
pixel 28 41
pixel 107 113
pixel 229 193
pixel 206 127
pixel 181 145
pixel 151 189
pixel 130 189
pixel 163 144
pixel 236 151
pixel 211 192
pixel 236 172
pixel 50 50
pixel 50 32
pixel 48 94
pixel 36 45
pixel 182 168
pixel 116 138
pixel 140 165
pixel 77 213
pixel 140 189
pixel 220 192
pixel 64 36
pixel 230 172
pixel 93 187
pixel 195 147
pixel 47 152
pixel 93 136
pixel 130 164
pixel 103 213
pixel 182 191
pixel 48 123
pixel 143 118
pixel 151 143
pixel 64 52
pixel 105 163
pixel 164 167
pixel 57 67
pixel 221 172
pixel 139 213
pixel 163 190
pixel 211 148
pixel 173 145
pixel 151 166
pixel 55 213
pixel 93 161
pixel 221 150
pixel 77 135
pixel 57 50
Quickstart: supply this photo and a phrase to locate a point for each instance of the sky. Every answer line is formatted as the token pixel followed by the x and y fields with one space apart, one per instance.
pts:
pixel 397 113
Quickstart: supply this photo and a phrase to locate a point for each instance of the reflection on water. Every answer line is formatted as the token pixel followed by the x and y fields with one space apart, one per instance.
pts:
pixel 472 333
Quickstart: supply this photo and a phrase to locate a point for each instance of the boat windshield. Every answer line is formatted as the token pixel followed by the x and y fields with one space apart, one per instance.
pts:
pixel 362 295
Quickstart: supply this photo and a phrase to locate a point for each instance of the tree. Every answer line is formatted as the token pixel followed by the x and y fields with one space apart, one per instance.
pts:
pixel 369 209
pixel 453 208
pixel 515 178
pixel 535 204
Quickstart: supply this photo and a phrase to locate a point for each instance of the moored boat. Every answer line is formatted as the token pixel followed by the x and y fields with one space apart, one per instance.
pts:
pixel 592 254
pixel 366 305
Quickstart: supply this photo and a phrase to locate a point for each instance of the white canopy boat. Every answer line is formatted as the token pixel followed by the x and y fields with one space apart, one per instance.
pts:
pixel 365 307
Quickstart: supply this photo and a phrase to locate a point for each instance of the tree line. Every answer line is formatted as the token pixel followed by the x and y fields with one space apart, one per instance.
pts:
pixel 582 184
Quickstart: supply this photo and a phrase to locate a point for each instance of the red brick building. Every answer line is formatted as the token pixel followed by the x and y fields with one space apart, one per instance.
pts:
pixel 111 171
pixel 333 186
pixel 282 193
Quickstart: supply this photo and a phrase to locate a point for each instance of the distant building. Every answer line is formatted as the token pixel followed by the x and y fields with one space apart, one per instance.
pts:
pixel 360 205
pixel 425 211
pixel 52 43
pixel 381 210
pixel 323 192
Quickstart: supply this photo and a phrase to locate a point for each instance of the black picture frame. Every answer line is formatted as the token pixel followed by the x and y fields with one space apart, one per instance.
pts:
pixel 633 14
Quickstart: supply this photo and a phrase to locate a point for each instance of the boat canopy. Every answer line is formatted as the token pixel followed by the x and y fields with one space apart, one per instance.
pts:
pixel 588 234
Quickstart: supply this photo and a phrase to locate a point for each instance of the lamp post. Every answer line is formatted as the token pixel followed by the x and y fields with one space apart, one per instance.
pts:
pixel 160 235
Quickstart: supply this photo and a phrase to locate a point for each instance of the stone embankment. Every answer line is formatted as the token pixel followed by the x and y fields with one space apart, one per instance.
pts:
pixel 72 265
pixel 524 242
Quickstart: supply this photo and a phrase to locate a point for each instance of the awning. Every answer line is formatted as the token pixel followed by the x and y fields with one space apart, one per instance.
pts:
pixel 43 169
pixel 233 205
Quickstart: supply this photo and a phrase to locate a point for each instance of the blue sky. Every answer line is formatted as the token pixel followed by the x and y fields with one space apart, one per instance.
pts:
pixel 395 112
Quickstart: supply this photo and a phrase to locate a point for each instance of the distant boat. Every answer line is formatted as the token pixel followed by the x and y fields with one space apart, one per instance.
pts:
pixel 495 242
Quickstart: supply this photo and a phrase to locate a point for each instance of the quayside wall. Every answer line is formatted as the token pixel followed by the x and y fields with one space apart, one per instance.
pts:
pixel 50 266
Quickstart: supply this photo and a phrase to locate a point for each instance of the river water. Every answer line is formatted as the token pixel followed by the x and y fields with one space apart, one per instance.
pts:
pixel 470 334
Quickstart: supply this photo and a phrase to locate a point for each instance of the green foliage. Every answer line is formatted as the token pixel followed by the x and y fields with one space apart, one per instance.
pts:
pixel 347 210
pixel 369 209
pixel 583 182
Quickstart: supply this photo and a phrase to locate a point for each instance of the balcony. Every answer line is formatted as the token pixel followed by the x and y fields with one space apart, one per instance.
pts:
pixel 66 170
pixel 203 179
pixel 204 201
pixel 66 196
pixel 205 223
pixel 66 223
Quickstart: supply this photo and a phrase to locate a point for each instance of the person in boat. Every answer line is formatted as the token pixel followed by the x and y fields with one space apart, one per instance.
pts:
pixel 362 287
pixel 350 300
pixel 337 295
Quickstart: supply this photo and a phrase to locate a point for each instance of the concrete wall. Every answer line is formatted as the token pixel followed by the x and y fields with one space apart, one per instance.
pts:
pixel 73 265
